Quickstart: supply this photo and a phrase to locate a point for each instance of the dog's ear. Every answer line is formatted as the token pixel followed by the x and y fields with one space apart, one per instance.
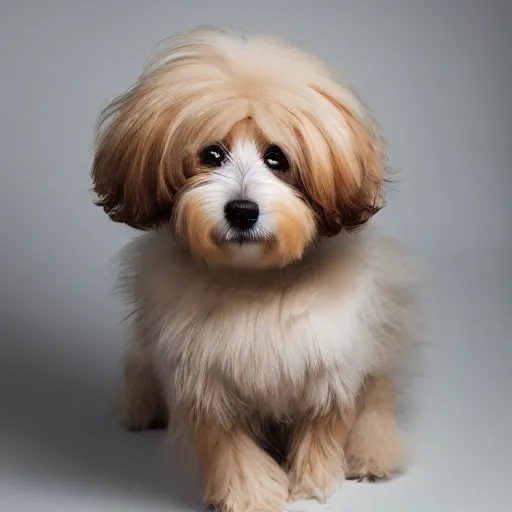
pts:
pixel 346 164
pixel 135 172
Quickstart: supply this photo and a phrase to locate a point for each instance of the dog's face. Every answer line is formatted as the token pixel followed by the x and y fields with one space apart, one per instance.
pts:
pixel 248 149
pixel 241 206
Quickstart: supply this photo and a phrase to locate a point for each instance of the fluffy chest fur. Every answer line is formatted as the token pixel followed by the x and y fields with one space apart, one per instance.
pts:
pixel 282 343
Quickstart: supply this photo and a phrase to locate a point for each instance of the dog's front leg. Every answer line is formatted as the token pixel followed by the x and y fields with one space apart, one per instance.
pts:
pixel 316 459
pixel 239 476
pixel 374 448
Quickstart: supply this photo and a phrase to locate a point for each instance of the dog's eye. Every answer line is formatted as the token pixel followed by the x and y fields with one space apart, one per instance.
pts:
pixel 275 159
pixel 212 156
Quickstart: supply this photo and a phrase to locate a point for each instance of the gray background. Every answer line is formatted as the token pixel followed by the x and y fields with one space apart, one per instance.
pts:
pixel 436 73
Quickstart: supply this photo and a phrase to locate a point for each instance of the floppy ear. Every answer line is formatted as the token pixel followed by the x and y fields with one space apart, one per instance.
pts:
pixel 347 163
pixel 135 172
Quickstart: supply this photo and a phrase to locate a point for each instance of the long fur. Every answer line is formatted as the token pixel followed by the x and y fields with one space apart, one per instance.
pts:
pixel 286 342
pixel 295 334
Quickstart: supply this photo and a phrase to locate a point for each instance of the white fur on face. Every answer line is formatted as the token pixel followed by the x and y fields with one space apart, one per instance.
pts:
pixel 243 176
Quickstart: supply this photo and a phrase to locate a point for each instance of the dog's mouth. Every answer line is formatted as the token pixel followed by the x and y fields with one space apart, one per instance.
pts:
pixel 242 236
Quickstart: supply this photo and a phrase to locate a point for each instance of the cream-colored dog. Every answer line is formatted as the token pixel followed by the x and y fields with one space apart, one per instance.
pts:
pixel 264 320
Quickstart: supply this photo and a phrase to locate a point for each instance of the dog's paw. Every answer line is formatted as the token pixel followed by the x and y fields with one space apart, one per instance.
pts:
pixel 315 482
pixel 368 471
pixel 316 474
pixel 247 501
pixel 246 506
pixel 260 487
pixel 374 451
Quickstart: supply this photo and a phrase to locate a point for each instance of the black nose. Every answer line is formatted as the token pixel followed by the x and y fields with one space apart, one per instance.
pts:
pixel 242 214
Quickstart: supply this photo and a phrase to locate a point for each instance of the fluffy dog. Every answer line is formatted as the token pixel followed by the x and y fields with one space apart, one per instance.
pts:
pixel 265 320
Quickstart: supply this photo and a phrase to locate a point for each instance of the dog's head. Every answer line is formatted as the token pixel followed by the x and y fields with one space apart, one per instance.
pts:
pixel 248 148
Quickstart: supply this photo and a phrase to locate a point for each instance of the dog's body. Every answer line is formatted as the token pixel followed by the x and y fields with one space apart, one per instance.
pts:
pixel 290 343
pixel 256 306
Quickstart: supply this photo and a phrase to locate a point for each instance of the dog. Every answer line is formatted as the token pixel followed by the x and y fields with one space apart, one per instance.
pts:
pixel 268 317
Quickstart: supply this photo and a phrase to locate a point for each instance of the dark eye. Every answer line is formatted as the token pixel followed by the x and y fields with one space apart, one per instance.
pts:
pixel 274 159
pixel 212 156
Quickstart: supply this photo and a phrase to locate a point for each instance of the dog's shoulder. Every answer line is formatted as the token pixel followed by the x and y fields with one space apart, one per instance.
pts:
pixel 153 267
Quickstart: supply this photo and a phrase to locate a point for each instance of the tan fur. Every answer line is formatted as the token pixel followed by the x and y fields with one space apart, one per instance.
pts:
pixel 247 129
pixel 193 225
pixel 239 475
pixel 148 136
pixel 362 190
pixel 295 326
pixel 296 227
pixel 375 449
pixel 317 466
